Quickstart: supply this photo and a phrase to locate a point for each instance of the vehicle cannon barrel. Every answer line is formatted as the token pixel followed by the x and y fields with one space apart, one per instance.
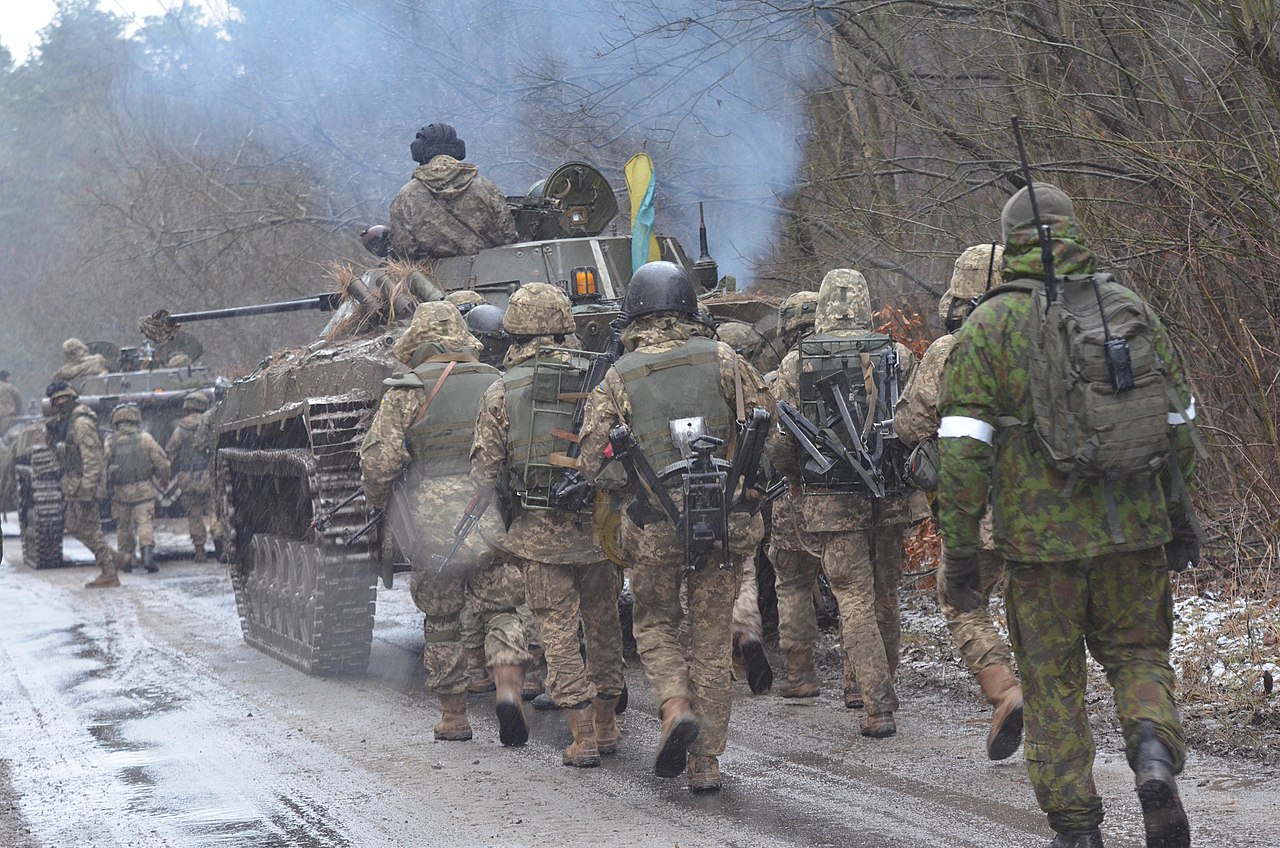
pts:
pixel 320 302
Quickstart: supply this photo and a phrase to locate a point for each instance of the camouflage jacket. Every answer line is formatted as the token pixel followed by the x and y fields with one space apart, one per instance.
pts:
pixel 10 401
pixel 89 365
pixel 184 430
pixel 986 382
pixel 546 536
pixel 141 491
pixel 83 469
pixel 448 209
pixel 916 416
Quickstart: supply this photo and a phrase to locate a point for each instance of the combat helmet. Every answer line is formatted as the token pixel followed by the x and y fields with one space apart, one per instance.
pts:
pixel 126 413
pixel 1049 198
pixel 844 302
pixel 197 401
pixel 660 287
pixel 377 240
pixel 975 272
pixel 538 309
pixel 434 322
pixel 797 313
pixel 465 299
pixel 485 323
pixel 60 389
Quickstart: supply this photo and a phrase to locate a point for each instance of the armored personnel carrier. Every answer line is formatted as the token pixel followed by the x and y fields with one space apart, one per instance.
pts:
pixel 287 436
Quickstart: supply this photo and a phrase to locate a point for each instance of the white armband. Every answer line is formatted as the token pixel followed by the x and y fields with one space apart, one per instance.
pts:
pixel 1185 416
pixel 960 427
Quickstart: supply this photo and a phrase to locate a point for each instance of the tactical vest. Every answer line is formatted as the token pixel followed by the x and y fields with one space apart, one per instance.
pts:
pixel 680 383
pixel 73 462
pixel 868 361
pixel 190 458
pixel 440 442
pixel 541 397
pixel 130 458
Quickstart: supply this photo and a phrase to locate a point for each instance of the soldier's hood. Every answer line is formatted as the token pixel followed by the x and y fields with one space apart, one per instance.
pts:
pixel 73 349
pixel 445 175
pixel 126 427
pixel 437 327
pixel 844 302
pixel 658 328
pixel 518 353
pixel 1070 253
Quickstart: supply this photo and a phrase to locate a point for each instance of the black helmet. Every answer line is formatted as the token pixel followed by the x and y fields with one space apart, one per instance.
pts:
pixel 437 140
pixel 377 240
pixel 660 287
pixel 485 323
pixel 60 389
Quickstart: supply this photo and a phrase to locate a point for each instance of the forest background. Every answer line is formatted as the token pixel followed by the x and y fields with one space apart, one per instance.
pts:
pixel 193 162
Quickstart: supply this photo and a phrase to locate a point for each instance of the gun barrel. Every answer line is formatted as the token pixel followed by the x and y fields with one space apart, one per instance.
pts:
pixel 320 302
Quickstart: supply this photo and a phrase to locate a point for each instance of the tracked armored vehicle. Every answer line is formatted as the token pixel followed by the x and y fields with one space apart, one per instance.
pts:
pixel 288 435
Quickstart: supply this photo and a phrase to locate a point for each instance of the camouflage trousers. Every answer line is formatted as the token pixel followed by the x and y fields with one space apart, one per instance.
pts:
pixel 795 572
pixel 558 595
pixel 197 503
pixel 135 524
pixel 747 624
pixel 1119 606
pixel 491 594
pixel 471 626
pixel 975 633
pixel 84 522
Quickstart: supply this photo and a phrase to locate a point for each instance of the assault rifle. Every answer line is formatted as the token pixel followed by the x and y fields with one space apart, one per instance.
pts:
pixel 573 492
pixel 322 521
pixel 475 510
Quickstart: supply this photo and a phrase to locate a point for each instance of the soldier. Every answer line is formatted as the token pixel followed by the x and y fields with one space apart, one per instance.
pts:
pixel 189 457
pixel 465 300
pixel 10 402
pixel 915 420
pixel 133 459
pixel 77 362
pixel 848 529
pixel 421 433
pixel 447 209
pixel 1083 553
pixel 566 574
pixel 673 371
pixel 74 431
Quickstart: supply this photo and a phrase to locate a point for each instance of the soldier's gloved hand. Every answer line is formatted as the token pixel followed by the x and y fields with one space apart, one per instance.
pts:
pixel 1184 551
pixel 68 487
pixel 959 583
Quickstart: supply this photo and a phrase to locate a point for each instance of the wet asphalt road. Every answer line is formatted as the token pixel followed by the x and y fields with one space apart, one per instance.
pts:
pixel 138 717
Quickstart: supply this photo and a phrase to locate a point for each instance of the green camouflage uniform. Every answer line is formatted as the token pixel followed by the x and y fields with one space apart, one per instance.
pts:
pixel 133 502
pixel 190 461
pixel 436 492
pixel 566 574
pixel 1069 584
pixel 656 554
pixel 448 209
pixel 84 485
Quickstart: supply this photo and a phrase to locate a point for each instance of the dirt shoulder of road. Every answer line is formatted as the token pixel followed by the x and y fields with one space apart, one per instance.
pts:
pixel 15 828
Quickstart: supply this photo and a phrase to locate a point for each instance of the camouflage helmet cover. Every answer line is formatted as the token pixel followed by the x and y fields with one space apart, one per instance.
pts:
pixel 1017 211
pixel 538 309
pixel 745 339
pixel 844 302
pixel 435 322
pixel 197 401
pixel 126 413
pixel 976 271
pixel 798 311
pixel 60 389
pixel 464 297
pixel 74 349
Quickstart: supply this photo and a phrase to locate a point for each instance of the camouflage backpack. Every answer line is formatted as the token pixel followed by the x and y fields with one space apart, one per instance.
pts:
pixel 1102 402
pixel 863 372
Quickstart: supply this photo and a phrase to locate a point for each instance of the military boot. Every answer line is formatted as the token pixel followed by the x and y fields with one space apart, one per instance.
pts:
pixel 606 720
pixel 583 752
pixel 852 691
pixel 879 725
pixel 1162 813
pixel 148 562
pixel 219 550
pixel 704 773
pixel 1078 839
pixel 479 680
pixel 124 562
pixel 200 555
pixel 679 730
pixel 513 728
pixel 544 701
pixel 453 725
pixel 108 579
pixel 802 678
pixel 1001 688
pixel 759 672
pixel 535 676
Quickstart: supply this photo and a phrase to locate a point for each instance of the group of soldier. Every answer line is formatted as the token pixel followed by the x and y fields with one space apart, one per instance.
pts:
pixel 1082 561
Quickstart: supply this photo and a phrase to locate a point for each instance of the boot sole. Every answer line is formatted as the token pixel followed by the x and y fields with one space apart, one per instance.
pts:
pixel 759 672
pixel 1163 815
pixel 673 756
pixel 1009 737
pixel 799 693
pixel 605 750
pixel 453 737
pixel 704 787
pixel 582 762
pixel 512 728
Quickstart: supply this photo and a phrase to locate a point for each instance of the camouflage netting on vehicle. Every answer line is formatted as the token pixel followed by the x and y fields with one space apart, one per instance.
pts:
pixel 158 326
pixel 379 296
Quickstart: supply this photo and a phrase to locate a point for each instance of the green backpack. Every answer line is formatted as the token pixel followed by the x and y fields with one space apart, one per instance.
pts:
pixel 1094 336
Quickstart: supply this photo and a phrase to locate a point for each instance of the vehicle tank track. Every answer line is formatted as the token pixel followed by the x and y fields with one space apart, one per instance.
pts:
pixel 304 597
pixel 41 509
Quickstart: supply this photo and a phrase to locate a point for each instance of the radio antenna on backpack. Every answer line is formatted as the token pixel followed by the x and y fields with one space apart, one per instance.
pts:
pixel 1042 229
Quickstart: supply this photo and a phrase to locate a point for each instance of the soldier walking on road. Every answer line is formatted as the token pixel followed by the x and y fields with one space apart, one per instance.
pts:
pixel 1087 540
pixel 524 427
pixel 673 371
pixel 134 458
pixel 10 401
pixel 190 448
pixel 74 433
pixel 421 434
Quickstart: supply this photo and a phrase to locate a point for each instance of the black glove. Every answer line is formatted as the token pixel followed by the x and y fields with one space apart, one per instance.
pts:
pixel 1184 551
pixel 959 583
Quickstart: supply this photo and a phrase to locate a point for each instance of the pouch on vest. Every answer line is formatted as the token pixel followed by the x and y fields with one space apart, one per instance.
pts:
pixel 923 465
